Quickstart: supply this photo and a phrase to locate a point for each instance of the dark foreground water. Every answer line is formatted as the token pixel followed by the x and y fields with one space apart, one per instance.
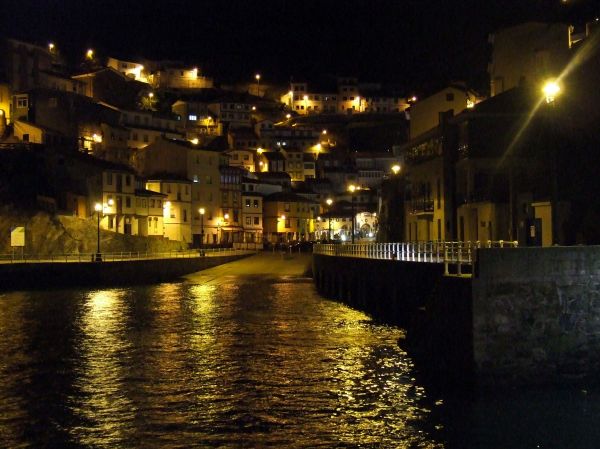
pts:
pixel 244 362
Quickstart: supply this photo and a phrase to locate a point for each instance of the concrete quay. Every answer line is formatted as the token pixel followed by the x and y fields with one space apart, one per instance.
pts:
pixel 132 271
pixel 528 316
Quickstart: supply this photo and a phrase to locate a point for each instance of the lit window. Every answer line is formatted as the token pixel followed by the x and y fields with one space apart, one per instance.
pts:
pixel 192 117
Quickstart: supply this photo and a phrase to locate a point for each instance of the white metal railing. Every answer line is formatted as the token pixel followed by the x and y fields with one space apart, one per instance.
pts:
pixel 451 254
pixel 121 256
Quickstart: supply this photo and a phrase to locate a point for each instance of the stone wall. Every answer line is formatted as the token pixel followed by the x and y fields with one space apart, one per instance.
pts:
pixel 42 275
pixel 536 315
pixel 48 234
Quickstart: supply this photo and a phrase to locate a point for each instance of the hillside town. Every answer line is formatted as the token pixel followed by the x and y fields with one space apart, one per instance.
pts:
pixel 161 149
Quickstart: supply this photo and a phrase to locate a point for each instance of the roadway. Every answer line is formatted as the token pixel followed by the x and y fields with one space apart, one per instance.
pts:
pixel 266 264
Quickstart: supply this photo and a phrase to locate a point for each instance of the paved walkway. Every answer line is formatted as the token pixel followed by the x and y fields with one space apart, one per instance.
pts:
pixel 264 264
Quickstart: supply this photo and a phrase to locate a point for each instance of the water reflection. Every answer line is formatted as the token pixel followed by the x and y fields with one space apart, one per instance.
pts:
pixel 101 400
pixel 240 362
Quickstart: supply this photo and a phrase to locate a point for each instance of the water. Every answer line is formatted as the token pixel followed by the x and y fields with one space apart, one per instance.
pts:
pixel 243 362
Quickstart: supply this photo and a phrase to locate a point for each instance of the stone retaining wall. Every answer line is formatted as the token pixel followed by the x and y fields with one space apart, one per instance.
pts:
pixel 537 315
pixel 41 275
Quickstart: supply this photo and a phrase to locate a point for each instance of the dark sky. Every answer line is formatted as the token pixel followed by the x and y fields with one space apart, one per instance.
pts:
pixel 415 43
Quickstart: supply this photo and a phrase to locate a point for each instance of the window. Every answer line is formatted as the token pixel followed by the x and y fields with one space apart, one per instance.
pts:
pixel 151 202
pixel 248 220
pixel 134 136
pixel 256 203
pixel 185 215
pixel 192 117
pixel 22 102
pixel 247 202
pixel 287 222
pixel 195 178
pixel 256 220
pixel 146 138
pixel 127 201
pixel 109 179
pixel 209 180
pixel 127 180
pixel 286 207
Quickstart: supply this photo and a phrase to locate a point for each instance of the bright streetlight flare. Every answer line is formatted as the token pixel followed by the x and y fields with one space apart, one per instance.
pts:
pixel 551 89
pixel 396 169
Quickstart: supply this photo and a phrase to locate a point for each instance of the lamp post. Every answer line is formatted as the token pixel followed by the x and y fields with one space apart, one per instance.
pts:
pixel 283 226
pixel 257 76
pixel 98 209
pixel 551 90
pixel 329 202
pixel 305 98
pixel 352 189
pixel 201 210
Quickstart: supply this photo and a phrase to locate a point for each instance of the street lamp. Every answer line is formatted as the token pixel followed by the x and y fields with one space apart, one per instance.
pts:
pixel 396 169
pixel 352 188
pixel 551 89
pixel 282 218
pixel 329 202
pixel 257 76
pixel 98 209
pixel 201 210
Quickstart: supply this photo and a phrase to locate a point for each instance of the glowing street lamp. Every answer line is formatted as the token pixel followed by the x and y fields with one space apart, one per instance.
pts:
pixel 257 77
pixel 51 47
pixel 396 169
pixel 329 202
pixel 89 54
pixel 202 211
pixel 98 209
pixel 551 89
pixel 352 188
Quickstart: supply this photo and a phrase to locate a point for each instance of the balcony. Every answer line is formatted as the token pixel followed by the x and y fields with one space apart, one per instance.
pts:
pixel 422 206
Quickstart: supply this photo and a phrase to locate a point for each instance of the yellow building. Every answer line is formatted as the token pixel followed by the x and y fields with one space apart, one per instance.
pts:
pixel 149 213
pixel 201 167
pixel 133 70
pixel 287 217
pixel 425 113
pixel 118 199
pixel 252 212
pixel 177 206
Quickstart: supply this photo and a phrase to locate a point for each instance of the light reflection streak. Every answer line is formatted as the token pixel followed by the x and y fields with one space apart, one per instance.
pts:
pixel 102 403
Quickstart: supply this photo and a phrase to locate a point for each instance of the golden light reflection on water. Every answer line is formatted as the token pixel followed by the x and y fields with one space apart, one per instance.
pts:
pixel 102 402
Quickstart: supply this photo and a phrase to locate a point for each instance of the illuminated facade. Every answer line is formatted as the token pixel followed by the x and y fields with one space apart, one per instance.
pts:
pixel 180 78
pixel 344 96
pixel 425 113
pixel 198 165
pixel 252 211
pixel 177 206
pixel 133 70
pixel 287 217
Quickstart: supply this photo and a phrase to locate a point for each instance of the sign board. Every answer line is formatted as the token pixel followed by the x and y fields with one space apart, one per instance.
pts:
pixel 17 236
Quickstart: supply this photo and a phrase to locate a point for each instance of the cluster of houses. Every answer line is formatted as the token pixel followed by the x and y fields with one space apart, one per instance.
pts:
pixel 157 149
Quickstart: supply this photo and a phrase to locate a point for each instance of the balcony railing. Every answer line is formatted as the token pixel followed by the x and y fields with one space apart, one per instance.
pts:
pixel 422 205
pixel 454 255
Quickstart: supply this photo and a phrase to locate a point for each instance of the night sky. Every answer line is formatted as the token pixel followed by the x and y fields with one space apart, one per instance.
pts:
pixel 417 44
